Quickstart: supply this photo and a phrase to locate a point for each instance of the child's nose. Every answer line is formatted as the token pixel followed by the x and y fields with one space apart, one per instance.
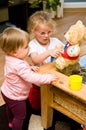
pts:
pixel 46 34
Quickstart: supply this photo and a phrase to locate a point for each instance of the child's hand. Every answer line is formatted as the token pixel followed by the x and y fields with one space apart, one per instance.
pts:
pixel 35 68
pixel 54 77
pixel 54 53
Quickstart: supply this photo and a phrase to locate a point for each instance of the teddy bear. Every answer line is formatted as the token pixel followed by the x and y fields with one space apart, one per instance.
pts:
pixel 67 62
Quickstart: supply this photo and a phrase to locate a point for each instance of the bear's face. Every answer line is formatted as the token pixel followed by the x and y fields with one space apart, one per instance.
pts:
pixel 76 33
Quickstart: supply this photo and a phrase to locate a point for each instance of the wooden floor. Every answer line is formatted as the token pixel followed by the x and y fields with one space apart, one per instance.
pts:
pixel 68 19
pixel 62 26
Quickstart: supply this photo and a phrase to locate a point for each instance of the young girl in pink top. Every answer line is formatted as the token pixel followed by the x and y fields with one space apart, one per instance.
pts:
pixel 18 75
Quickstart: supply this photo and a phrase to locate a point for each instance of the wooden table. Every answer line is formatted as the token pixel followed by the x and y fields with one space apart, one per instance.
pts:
pixel 59 96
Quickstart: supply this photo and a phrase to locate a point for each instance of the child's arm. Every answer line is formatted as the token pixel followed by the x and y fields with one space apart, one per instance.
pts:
pixel 30 76
pixel 38 59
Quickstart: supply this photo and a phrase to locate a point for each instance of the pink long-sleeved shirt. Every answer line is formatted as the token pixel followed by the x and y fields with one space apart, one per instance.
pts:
pixel 18 78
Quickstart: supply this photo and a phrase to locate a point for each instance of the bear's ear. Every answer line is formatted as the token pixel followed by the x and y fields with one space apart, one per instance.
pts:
pixel 79 22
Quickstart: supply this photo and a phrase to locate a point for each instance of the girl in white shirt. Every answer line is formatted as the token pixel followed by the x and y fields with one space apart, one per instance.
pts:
pixel 42 47
pixel 18 75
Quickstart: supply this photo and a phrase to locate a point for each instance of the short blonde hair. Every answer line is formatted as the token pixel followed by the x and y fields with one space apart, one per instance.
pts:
pixel 12 38
pixel 40 17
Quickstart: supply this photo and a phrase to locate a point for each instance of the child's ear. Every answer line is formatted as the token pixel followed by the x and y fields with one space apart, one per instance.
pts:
pixel 14 54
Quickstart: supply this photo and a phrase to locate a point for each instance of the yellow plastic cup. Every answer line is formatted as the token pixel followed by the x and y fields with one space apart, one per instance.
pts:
pixel 75 82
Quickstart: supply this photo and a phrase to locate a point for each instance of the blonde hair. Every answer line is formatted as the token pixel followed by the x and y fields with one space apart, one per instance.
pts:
pixel 40 17
pixel 12 38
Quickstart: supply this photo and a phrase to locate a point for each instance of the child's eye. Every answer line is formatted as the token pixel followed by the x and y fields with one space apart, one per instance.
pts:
pixel 42 33
pixel 50 32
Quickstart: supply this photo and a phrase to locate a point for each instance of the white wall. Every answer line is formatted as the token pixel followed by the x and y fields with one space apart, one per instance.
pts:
pixel 74 0
pixel 74 4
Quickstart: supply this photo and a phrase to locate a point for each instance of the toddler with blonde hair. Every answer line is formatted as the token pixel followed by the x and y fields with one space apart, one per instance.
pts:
pixel 18 75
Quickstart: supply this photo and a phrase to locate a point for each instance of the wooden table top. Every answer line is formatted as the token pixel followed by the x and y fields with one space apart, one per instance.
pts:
pixel 63 82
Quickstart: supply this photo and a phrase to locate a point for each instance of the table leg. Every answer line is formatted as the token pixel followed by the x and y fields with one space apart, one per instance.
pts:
pixel 46 110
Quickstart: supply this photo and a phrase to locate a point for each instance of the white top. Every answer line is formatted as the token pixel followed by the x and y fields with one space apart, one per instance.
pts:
pixel 38 48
